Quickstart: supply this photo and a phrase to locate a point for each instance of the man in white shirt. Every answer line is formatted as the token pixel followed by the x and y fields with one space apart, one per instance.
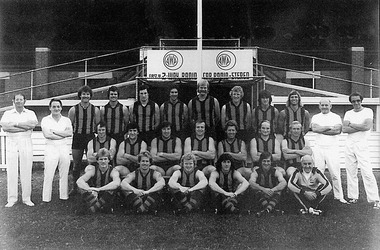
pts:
pixel 358 123
pixel 18 123
pixel 56 128
pixel 327 126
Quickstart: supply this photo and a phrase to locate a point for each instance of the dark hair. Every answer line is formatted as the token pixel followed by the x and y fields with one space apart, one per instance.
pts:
pixel 165 124
pixel 113 89
pixel 55 100
pixel 86 89
pixel 101 124
pixel 355 94
pixel 143 87
pixel 265 155
pixel 132 125
pixel 265 94
pixel 173 87
pixel 224 157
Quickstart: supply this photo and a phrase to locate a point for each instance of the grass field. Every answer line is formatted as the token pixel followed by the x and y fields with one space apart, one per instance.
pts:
pixel 55 226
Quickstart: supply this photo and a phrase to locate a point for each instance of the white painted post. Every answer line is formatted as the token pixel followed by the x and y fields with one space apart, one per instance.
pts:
pixel 2 145
pixel 85 72
pixel 31 85
pixel 199 39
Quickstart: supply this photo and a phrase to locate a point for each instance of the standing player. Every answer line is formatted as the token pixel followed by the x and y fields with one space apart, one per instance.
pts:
pixel 309 186
pixel 115 115
pixel 205 107
pixel 98 185
pixel 227 185
pixel 101 141
pixel 239 111
pixel 187 185
pixel 175 112
pixel 56 128
pixel 19 123
pixel 202 147
pixel 294 146
pixel 327 126
pixel 294 111
pixel 267 182
pixel 265 111
pixel 127 155
pixel 146 114
pixel 142 187
pixel 84 116
pixel 358 123
pixel 166 151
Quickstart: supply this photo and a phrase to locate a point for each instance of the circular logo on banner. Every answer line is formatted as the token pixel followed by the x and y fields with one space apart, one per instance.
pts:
pixel 173 60
pixel 226 60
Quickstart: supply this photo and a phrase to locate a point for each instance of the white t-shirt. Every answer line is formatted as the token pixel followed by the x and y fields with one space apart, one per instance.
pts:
pixel 358 117
pixel 329 119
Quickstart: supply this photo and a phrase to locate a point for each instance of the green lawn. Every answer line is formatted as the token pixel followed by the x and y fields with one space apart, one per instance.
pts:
pixel 55 226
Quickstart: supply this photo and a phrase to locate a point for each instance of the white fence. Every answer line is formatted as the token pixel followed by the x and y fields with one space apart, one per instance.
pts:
pixel 39 147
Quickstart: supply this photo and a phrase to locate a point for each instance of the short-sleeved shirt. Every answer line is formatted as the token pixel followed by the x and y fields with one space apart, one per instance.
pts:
pixel 14 116
pixel 48 122
pixel 358 117
pixel 329 119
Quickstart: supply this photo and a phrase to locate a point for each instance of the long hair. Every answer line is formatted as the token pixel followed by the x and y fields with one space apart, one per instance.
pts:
pixel 263 156
pixel 224 157
pixel 294 92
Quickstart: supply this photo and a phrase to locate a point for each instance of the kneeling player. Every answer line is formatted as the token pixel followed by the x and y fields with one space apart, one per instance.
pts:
pixel 187 185
pixel 227 184
pixel 142 187
pixel 98 184
pixel 268 183
pixel 309 186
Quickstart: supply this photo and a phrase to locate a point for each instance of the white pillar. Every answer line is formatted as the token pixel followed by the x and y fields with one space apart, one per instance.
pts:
pixel 199 38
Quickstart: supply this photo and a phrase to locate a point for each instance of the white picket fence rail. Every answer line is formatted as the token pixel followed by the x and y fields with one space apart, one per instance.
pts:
pixel 39 147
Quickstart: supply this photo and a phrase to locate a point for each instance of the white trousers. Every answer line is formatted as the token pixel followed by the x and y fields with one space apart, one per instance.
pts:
pixel 19 153
pixel 56 155
pixel 329 156
pixel 357 156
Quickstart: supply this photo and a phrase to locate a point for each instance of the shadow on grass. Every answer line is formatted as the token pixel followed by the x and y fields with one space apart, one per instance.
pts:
pixel 55 226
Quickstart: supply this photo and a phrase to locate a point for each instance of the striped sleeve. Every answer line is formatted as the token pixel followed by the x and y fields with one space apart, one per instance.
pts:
pixel 325 186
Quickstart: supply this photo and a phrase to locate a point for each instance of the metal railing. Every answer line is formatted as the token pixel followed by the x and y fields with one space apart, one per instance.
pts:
pixel 313 65
pixel 86 68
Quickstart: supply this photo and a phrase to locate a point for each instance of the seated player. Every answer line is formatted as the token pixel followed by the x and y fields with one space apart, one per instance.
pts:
pixel 266 141
pixel 202 147
pixel 235 147
pixel 166 151
pixel 309 186
pixel 142 187
pixel 267 182
pixel 187 185
pixel 294 146
pixel 129 149
pixel 98 185
pixel 100 141
pixel 227 185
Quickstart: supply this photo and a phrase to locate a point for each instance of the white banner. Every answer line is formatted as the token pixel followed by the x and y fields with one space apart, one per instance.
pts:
pixel 164 64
